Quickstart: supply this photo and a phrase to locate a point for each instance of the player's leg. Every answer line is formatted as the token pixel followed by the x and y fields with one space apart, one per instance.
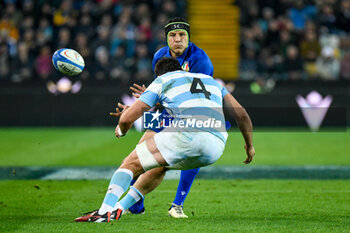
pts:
pixel 181 151
pixel 119 183
pixel 151 159
pixel 139 207
pixel 150 180
pixel 186 179
pixel 145 157
pixel 146 183
pixel 186 150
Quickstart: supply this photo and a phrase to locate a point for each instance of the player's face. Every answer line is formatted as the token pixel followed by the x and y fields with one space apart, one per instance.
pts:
pixel 178 42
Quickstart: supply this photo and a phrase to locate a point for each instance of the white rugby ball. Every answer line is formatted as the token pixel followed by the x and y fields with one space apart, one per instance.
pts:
pixel 68 61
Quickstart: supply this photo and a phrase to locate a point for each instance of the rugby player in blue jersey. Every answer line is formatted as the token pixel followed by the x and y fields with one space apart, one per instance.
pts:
pixel 194 60
pixel 184 94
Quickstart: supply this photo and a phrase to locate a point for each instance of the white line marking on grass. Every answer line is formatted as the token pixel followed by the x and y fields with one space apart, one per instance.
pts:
pixel 259 191
pixel 212 172
pixel 94 174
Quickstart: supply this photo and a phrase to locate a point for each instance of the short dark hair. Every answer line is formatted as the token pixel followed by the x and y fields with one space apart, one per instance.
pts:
pixel 165 65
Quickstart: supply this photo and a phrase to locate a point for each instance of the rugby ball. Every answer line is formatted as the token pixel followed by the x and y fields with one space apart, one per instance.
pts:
pixel 68 61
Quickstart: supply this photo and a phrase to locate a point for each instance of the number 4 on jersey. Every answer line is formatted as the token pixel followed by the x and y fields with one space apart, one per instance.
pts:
pixel 202 89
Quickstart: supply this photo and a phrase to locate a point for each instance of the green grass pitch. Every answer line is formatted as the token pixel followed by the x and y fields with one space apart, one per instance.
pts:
pixel 98 146
pixel 212 206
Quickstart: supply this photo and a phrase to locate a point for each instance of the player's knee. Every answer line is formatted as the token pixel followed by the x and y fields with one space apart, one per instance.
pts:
pixel 160 171
pixel 133 164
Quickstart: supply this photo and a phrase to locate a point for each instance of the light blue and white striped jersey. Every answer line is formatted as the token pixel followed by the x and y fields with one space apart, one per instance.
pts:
pixel 193 98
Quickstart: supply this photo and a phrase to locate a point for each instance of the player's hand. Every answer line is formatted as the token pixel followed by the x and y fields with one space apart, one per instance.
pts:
pixel 250 153
pixel 117 112
pixel 138 90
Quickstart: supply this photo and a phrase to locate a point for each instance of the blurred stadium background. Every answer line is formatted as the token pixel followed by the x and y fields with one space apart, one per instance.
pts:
pixel 267 52
pixel 277 57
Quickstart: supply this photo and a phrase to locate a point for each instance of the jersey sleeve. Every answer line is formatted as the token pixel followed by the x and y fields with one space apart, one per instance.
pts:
pixel 223 91
pixel 157 56
pixel 152 95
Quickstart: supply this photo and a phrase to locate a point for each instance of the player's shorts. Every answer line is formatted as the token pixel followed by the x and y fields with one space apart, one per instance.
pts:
pixel 188 150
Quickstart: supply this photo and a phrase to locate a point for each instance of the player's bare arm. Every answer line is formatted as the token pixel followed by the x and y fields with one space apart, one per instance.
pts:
pixel 244 124
pixel 129 116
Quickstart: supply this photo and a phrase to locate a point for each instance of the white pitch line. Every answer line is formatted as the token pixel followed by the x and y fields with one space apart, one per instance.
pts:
pixel 259 191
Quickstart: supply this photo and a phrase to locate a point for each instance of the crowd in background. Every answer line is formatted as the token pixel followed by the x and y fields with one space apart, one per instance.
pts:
pixel 117 38
pixel 280 39
pixel 295 39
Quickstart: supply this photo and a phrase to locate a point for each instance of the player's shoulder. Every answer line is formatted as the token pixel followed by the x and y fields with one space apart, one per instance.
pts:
pixel 160 53
pixel 207 79
pixel 201 76
pixel 171 75
pixel 197 52
pixel 200 61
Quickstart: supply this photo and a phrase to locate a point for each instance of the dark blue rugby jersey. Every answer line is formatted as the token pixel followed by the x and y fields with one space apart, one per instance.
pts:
pixel 194 59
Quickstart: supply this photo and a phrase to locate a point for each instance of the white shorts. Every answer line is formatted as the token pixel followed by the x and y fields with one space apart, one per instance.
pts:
pixel 188 150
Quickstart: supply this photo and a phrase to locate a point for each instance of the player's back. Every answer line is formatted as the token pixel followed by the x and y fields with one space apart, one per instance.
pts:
pixel 185 89
pixel 194 99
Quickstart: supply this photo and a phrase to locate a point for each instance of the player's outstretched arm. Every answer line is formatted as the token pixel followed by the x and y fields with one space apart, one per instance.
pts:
pixel 244 123
pixel 129 116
